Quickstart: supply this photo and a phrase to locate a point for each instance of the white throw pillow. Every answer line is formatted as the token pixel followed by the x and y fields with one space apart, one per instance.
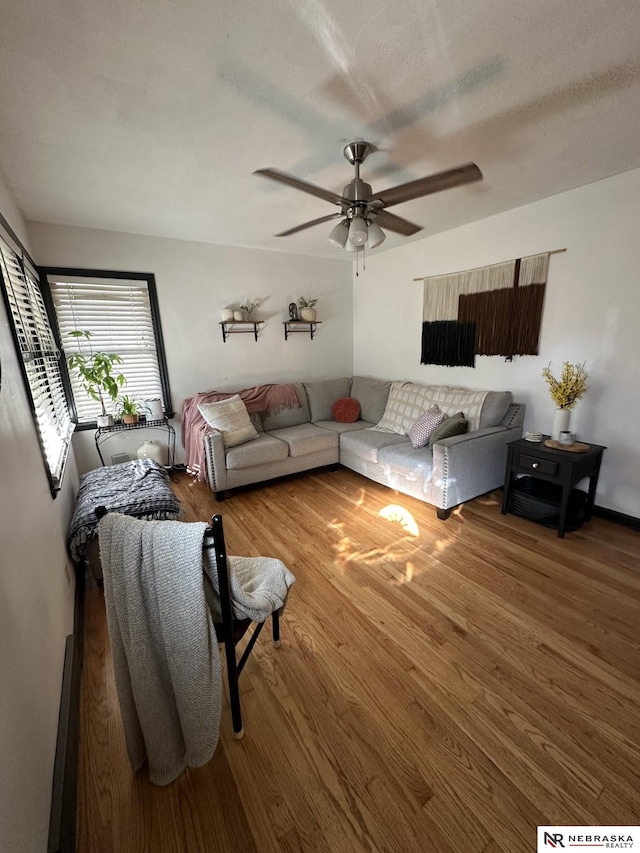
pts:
pixel 231 418
pixel 425 426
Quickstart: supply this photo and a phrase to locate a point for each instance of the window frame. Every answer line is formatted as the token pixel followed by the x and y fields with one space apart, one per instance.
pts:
pixel 76 272
pixel 30 272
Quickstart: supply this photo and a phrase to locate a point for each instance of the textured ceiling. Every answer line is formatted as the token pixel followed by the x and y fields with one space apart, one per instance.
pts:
pixel 149 116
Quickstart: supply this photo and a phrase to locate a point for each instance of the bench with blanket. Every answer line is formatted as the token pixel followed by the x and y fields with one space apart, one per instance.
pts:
pixel 139 488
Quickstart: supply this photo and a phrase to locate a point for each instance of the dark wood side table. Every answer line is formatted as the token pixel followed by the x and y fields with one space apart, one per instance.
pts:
pixel 563 467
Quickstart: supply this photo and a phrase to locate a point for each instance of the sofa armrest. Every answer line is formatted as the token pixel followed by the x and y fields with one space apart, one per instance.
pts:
pixel 465 466
pixel 216 461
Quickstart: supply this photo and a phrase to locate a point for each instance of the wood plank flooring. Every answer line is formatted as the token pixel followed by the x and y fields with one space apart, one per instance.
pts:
pixel 441 686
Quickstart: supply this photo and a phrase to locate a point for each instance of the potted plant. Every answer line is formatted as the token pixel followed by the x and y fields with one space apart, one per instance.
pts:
pixel 307 308
pixel 129 410
pixel 565 393
pixel 96 373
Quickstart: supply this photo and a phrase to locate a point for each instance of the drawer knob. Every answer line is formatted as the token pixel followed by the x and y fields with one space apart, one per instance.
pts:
pixel 535 464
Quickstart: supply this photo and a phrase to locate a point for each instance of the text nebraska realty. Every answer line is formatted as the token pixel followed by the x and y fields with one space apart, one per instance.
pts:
pixel 610 841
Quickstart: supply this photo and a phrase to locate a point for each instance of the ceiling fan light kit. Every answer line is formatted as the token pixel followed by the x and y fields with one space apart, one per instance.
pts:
pixel 339 235
pixel 360 206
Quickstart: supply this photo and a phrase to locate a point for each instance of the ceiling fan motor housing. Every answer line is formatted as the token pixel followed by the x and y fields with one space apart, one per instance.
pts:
pixel 357 190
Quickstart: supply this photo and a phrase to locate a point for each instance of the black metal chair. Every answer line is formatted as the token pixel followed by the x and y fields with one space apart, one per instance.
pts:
pixel 230 630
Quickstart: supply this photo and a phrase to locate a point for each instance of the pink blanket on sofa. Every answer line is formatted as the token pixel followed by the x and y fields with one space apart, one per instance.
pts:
pixel 261 398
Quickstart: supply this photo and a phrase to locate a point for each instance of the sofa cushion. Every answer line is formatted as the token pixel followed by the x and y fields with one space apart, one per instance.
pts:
pixel 366 443
pixel 346 410
pixel 407 400
pixel 323 394
pixel 259 452
pixel 288 417
pixel 413 463
pixel 231 418
pixel 306 438
pixel 494 408
pixel 422 430
pixel 455 425
pixel 372 394
pixel 336 426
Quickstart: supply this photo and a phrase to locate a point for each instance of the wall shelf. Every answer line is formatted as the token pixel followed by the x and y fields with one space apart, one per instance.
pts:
pixel 307 327
pixel 229 328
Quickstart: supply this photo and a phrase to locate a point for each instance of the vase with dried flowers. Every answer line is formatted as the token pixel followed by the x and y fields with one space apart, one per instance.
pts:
pixel 565 393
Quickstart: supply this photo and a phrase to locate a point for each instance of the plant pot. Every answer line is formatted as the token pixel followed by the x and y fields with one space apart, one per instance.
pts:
pixel 105 420
pixel 131 419
pixel 561 420
pixel 308 314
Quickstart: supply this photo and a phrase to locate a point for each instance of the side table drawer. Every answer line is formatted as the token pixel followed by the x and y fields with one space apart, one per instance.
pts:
pixel 534 463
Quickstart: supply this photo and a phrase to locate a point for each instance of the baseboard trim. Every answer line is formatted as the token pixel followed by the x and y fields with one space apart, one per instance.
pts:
pixel 62 821
pixel 617 517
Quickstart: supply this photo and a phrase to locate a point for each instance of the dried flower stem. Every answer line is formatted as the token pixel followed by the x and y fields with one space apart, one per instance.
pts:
pixel 572 384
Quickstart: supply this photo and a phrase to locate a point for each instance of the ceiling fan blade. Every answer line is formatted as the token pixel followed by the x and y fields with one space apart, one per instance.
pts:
pixel 296 183
pixel 309 224
pixel 395 223
pixel 425 186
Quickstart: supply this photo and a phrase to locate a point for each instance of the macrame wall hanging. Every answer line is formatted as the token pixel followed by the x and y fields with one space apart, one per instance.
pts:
pixel 494 310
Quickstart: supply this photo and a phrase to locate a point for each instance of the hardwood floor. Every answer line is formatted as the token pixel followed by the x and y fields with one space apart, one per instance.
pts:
pixel 441 686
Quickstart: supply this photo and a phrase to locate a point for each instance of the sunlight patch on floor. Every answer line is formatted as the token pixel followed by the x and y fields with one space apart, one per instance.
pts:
pixel 395 512
pixel 402 559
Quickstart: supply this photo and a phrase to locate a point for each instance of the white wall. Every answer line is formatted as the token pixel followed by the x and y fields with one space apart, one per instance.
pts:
pixel 195 281
pixel 36 604
pixel 591 313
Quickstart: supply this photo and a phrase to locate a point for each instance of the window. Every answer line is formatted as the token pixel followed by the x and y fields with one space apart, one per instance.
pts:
pixel 40 361
pixel 121 312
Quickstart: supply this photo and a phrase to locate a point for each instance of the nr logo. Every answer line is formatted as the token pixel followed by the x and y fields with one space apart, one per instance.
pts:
pixel 553 839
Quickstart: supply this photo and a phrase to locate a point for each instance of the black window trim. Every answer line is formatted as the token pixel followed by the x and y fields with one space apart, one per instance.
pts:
pixel 55 483
pixel 79 272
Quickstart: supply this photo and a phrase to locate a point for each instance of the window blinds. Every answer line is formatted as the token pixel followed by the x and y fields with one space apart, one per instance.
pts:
pixel 40 358
pixel 117 312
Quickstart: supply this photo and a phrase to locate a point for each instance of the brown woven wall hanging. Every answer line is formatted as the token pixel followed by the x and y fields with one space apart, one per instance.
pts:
pixel 495 310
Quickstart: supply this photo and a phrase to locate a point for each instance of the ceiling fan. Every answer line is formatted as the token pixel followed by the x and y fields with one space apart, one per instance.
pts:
pixel 361 210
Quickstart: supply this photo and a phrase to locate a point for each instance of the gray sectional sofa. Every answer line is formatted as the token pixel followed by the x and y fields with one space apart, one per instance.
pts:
pixel 454 470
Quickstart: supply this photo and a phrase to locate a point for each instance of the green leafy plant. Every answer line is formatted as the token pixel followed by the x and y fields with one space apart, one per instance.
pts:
pixel 307 302
pixel 572 384
pixel 128 406
pixel 96 372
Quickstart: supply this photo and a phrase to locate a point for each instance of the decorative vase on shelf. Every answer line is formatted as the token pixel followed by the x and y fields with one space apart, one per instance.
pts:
pixel 238 316
pixel 226 315
pixel 308 314
pixel 151 450
pixel 154 409
pixel 561 420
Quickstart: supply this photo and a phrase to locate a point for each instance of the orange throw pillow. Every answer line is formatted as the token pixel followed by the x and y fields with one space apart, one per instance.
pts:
pixel 346 410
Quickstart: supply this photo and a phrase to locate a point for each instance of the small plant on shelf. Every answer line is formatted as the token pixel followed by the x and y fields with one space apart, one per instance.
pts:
pixel 307 302
pixel 307 306
pixel 95 370
pixel 249 307
pixel 129 410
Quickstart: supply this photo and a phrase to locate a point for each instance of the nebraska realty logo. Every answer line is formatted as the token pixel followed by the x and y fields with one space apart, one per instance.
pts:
pixel 588 838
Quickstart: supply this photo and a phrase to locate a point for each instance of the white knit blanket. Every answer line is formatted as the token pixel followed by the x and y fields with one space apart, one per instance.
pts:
pixel 163 642
pixel 259 585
